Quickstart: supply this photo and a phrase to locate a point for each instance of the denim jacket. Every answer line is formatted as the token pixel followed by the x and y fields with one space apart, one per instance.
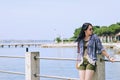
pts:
pixel 94 47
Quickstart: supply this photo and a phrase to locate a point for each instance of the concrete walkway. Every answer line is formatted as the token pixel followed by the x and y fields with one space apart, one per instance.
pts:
pixel 114 46
pixel 72 44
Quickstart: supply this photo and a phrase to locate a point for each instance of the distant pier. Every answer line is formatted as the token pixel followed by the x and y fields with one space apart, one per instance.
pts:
pixel 55 45
pixel 19 45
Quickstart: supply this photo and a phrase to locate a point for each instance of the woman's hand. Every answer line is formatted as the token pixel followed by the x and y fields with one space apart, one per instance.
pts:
pixel 111 59
pixel 77 67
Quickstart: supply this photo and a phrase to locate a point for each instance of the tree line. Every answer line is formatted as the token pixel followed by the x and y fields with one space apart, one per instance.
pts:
pixel 111 30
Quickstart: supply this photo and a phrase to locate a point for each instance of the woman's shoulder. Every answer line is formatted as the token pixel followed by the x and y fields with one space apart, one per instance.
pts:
pixel 95 36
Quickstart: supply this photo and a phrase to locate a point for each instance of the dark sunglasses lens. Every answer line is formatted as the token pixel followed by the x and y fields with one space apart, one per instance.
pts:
pixel 91 29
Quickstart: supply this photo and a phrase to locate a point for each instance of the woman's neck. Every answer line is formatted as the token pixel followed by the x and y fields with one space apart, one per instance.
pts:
pixel 87 38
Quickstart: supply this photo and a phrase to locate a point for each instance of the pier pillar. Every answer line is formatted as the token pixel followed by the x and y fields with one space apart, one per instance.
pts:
pixel 32 66
pixel 100 70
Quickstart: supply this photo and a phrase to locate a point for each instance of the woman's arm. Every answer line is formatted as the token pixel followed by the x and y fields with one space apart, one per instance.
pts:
pixel 108 56
pixel 101 49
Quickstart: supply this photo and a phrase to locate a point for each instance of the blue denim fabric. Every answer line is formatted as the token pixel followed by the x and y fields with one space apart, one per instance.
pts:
pixel 94 47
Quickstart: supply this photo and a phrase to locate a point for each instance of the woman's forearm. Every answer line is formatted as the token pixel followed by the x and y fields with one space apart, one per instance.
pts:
pixel 105 54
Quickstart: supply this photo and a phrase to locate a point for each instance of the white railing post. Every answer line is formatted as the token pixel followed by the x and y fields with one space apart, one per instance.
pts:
pixel 100 70
pixel 32 66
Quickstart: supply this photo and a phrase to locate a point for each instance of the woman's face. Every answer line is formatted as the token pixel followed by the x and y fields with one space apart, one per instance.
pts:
pixel 89 30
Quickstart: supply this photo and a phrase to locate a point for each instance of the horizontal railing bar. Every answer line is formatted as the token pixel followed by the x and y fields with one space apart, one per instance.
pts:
pixel 11 72
pixel 57 77
pixel 72 59
pixel 48 58
pixel 109 61
pixel 12 57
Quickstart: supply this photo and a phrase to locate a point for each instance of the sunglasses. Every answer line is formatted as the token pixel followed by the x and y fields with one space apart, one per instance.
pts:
pixel 91 29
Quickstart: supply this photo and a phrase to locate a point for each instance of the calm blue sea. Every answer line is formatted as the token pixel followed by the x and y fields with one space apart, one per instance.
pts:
pixel 50 67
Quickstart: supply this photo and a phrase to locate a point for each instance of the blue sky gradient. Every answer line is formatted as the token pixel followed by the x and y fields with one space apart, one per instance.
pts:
pixel 47 19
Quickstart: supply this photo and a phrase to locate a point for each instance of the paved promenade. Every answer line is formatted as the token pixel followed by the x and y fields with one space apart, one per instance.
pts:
pixel 72 44
pixel 114 46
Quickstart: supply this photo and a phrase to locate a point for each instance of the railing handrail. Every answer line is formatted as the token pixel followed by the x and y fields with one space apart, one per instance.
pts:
pixel 55 58
pixel 52 58
pixel 109 60
pixel 72 59
pixel 12 72
pixel 57 77
pixel 12 57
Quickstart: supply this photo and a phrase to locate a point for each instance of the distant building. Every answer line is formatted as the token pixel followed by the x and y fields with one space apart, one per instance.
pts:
pixel 118 36
pixel 110 38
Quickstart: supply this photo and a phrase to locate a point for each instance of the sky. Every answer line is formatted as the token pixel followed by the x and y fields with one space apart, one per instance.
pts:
pixel 48 19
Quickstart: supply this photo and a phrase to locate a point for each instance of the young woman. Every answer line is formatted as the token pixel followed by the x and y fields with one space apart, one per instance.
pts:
pixel 88 46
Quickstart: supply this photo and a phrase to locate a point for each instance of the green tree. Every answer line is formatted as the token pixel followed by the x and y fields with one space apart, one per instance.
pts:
pixel 76 33
pixel 102 30
pixel 58 39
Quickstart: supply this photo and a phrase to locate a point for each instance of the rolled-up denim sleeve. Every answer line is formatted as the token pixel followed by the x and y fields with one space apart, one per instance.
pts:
pixel 99 46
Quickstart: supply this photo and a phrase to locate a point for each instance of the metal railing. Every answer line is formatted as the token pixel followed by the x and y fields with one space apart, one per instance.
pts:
pixel 12 57
pixel 100 61
pixel 32 67
pixel 12 72
pixel 49 58
pixel 35 59
pixel 57 77
pixel 109 61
